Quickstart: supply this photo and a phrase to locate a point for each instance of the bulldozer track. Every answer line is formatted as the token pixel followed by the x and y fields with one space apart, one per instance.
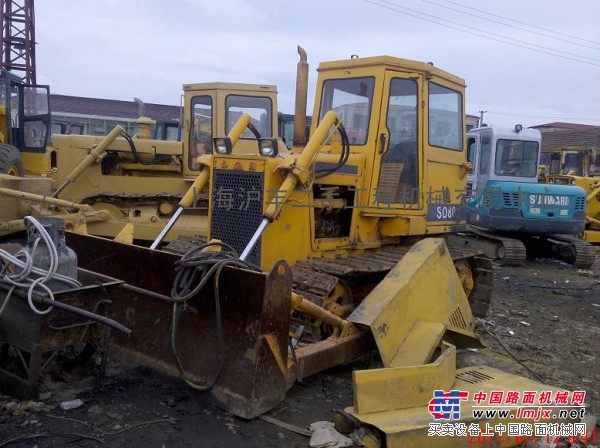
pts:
pixel 317 278
pixel 378 263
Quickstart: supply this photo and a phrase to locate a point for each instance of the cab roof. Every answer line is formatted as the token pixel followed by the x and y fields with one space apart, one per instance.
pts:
pixel 392 63
pixel 231 86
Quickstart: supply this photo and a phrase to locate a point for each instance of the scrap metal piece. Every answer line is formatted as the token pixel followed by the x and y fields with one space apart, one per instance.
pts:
pixel 74 320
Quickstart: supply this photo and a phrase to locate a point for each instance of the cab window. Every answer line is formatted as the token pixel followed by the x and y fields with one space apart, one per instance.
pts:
pixel 484 156
pixel 398 177
pixel 201 130
pixel 516 158
pixel 259 108
pixel 554 163
pixel 594 163
pixel 472 150
pixel 573 161
pixel 445 117
pixel 351 100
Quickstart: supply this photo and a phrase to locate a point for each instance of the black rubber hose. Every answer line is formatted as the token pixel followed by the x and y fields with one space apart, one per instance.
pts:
pixel 137 157
pixel 254 130
pixel 344 155
pixel 83 313
pixel 194 270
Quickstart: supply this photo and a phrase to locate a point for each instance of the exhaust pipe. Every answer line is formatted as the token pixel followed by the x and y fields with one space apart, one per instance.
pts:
pixel 301 99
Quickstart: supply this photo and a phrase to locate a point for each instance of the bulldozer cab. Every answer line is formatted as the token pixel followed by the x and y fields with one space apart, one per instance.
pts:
pixel 582 162
pixel 211 110
pixel 26 113
pixel 406 120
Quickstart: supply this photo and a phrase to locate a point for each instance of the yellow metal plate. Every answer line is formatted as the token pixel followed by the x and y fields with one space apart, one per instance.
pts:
pixel 410 427
pixel 422 287
pixel 387 389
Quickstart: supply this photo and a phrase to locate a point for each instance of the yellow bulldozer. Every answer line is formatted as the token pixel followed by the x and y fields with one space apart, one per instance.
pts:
pixel 579 167
pixel 140 180
pixel 591 185
pixel 312 251
pixel 313 256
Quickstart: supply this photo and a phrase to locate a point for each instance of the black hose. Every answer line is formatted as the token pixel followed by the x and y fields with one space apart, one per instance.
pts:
pixel 194 270
pixel 254 130
pixel 83 313
pixel 137 157
pixel 344 155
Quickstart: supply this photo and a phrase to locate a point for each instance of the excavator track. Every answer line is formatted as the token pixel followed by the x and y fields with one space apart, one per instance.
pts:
pixel 319 279
pixel 579 253
pixel 510 251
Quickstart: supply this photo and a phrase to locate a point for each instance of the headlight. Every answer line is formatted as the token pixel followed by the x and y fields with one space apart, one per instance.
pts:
pixel 222 145
pixel 268 147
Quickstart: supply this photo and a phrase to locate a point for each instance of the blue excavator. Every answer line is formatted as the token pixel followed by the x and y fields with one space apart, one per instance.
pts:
pixel 509 214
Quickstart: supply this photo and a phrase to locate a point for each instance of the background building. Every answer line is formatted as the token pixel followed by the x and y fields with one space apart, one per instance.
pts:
pixel 95 116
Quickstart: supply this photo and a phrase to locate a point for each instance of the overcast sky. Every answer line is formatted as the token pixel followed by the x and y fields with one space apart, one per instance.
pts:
pixel 120 49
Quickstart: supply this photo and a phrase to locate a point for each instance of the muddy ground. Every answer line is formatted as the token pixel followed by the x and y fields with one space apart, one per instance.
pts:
pixel 547 314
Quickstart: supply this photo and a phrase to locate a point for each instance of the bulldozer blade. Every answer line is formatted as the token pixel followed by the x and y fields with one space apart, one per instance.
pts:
pixel 255 316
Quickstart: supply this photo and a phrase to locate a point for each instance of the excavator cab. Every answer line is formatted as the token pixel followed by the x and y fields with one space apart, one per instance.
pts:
pixel 24 124
pixel 507 195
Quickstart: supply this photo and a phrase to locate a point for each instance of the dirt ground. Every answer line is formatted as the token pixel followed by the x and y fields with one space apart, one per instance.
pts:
pixel 547 314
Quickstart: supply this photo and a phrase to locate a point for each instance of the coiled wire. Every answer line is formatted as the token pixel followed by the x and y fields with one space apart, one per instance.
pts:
pixel 18 270
pixel 194 270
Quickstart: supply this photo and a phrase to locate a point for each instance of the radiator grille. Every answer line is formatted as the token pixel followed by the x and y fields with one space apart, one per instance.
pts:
pixel 236 209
